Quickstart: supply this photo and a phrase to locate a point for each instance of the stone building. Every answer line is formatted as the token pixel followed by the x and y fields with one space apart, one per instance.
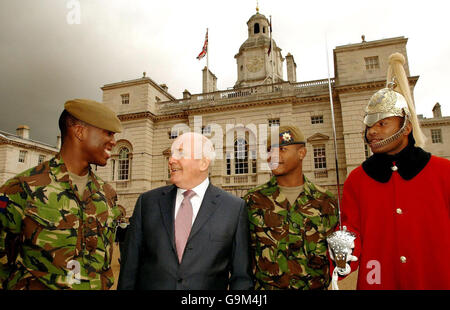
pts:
pixel 236 119
pixel 18 152
pixel 437 131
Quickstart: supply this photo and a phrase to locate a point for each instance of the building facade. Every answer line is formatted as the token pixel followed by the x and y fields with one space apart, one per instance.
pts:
pixel 437 131
pixel 18 152
pixel 237 119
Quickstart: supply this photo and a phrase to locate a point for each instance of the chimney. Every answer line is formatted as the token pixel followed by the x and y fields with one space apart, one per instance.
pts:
pixel 23 131
pixel 186 94
pixel 209 81
pixel 291 68
pixel 58 142
pixel 437 110
pixel 164 86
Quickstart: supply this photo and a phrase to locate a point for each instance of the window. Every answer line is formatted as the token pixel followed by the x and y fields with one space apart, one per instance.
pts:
pixel 372 63
pixel 125 98
pixel 320 160
pixel 22 156
pixel 274 122
pixel 168 168
pixel 41 159
pixel 367 151
pixel 228 164
pixel 206 130
pixel 256 28
pixel 317 119
pixel 253 157
pixel 124 164
pixel 436 136
pixel 113 164
pixel 240 156
pixel 173 134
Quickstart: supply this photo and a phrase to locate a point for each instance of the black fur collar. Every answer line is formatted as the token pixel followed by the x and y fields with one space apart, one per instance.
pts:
pixel 409 161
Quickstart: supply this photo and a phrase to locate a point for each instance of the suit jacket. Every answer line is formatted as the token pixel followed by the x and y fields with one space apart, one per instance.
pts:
pixel 217 251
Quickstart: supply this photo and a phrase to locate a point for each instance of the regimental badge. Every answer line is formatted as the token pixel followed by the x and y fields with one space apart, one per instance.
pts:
pixel 3 203
pixel 286 137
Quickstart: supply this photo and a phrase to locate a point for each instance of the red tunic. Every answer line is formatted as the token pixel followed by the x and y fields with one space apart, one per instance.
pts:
pixel 402 227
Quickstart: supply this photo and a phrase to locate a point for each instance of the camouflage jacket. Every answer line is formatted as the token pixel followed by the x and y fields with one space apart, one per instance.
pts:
pixel 288 241
pixel 50 236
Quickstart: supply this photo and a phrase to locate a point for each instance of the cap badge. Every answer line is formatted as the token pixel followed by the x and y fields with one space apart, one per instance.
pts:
pixel 286 136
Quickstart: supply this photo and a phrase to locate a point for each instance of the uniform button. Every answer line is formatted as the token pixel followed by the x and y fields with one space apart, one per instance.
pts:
pixel 295 225
pixel 399 211
pixel 403 259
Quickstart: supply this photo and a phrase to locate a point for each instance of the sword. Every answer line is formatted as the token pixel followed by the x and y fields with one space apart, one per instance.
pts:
pixel 334 136
pixel 341 241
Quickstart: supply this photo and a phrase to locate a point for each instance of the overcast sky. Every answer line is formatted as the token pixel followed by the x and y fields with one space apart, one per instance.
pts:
pixel 46 59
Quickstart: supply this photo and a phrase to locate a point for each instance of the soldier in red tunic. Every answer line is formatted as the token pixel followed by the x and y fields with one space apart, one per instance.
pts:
pixel 397 202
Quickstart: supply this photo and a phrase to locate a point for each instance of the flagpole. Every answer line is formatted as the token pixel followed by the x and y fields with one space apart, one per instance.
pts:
pixel 272 52
pixel 207 58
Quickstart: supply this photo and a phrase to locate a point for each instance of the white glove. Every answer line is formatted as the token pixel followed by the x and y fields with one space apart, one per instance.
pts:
pixel 350 258
pixel 344 243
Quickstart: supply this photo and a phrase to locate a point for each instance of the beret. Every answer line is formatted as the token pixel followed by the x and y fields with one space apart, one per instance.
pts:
pixel 94 113
pixel 288 135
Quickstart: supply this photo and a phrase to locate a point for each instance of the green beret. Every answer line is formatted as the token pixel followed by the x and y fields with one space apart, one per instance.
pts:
pixel 288 135
pixel 94 113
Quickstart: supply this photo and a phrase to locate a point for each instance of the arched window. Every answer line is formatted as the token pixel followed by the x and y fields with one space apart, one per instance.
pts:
pixel 240 156
pixel 256 28
pixel 124 164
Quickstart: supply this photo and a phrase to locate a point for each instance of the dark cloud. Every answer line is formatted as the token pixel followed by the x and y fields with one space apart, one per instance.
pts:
pixel 45 61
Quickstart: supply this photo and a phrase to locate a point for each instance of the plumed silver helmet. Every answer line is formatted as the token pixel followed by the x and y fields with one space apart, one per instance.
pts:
pixel 395 100
pixel 385 103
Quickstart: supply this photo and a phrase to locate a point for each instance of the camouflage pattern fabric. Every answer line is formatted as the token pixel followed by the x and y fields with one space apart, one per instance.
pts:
pixel 50 236
pixel 289 241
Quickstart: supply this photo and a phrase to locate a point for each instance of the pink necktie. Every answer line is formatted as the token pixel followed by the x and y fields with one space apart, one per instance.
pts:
pixel 183 223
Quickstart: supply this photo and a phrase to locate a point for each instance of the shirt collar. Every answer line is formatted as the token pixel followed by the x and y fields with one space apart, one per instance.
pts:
pixel 199 189
pixel 61 174
pixel 308 187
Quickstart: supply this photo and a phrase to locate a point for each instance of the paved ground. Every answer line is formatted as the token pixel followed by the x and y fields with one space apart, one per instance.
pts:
pixel 115 265
pixel 348 283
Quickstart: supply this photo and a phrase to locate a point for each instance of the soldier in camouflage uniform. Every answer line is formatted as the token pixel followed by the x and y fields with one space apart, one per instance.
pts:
pixel 290 218
pixel 55 233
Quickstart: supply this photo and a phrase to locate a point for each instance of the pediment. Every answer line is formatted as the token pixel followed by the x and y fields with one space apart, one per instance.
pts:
pixel 317 137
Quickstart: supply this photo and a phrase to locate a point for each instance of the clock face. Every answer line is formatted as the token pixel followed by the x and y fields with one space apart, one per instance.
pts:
pixel 255 64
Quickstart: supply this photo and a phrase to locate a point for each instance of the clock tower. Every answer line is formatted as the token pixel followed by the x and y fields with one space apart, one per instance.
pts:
pixel 255 66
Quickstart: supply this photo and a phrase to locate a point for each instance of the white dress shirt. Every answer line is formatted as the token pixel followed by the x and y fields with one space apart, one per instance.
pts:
pixel 196 200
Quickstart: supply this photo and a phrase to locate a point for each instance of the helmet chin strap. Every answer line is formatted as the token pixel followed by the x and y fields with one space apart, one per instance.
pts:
pixel 390 139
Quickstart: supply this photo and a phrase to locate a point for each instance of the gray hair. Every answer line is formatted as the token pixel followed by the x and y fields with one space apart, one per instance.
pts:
pixel 201 146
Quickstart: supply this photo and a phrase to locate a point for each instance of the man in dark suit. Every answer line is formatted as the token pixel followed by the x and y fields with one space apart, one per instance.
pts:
pixel 190 235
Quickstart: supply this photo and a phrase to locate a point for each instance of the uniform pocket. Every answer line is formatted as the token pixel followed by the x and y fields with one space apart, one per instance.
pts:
pixel 51 218
pixel 51 232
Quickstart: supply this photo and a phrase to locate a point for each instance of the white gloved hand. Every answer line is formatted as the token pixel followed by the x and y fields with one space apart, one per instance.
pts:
pixel 344 243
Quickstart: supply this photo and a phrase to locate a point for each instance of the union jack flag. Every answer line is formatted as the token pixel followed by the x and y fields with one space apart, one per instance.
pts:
pixel 205 48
